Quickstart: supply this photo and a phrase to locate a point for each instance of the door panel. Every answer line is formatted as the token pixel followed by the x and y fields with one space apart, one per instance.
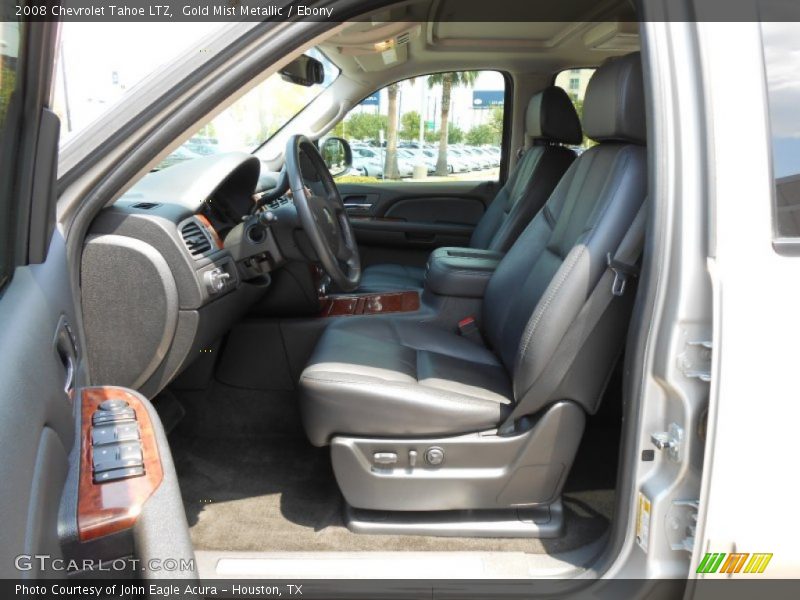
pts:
pixel 39 357
pixel 402 222
pixel 36 413
pixel 42 365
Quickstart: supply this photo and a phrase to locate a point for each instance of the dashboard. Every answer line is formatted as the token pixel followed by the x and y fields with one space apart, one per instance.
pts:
pixel 171 265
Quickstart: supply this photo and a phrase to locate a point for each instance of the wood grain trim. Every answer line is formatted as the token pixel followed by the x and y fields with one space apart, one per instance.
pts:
pixel 369 304
pixel 107 508
pixel 210 228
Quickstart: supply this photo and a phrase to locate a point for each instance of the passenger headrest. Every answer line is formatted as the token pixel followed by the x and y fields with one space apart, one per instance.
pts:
pixel 551 116
pixel 613 109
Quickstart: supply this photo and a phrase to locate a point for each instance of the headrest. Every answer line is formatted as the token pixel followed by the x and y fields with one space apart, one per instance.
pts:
pixel 551 116
pixel 613 109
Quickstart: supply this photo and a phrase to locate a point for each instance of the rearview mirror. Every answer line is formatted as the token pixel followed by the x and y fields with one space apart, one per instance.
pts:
pixel 337 155
pixel 304 70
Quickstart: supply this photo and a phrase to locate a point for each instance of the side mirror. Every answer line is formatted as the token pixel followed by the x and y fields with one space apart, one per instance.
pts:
pixel 337 155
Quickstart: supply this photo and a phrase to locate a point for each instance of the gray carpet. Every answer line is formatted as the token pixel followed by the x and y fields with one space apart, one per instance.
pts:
pixel 250 481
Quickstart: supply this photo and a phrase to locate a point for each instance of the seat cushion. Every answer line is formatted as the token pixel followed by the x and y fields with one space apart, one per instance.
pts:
pixel 379 376
pixel 391 278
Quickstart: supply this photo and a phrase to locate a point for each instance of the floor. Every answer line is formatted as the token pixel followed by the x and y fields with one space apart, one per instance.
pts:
pixel 251 482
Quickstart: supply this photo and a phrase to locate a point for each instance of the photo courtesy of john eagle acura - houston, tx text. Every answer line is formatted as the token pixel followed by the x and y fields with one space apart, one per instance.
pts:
pixel 408 299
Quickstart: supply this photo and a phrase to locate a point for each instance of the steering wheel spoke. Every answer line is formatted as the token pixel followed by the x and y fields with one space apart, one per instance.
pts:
pixel 323 216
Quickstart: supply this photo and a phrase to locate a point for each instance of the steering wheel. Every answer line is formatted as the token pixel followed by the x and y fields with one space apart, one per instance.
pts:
pixel 324 218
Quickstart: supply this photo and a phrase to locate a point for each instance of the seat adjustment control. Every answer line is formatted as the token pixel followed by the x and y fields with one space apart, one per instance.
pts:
pixel 434 456
pixel 384 459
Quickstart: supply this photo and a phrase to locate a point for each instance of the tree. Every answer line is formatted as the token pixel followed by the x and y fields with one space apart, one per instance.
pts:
pixel 7 78
pixel 496 123
pixel 480 135
pixel 390 170
pixel 409 126
pixel 448 81
pixel 361 126
pixel 455 135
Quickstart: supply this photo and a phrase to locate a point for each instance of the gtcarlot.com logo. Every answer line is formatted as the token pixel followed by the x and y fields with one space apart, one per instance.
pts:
pixel 735 562
pixel 46 562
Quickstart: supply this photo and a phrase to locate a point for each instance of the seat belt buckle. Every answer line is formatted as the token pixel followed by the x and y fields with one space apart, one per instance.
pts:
pixel 468 328
pixel 622 272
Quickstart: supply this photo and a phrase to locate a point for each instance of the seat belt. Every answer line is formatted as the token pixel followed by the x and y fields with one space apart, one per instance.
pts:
pixel 621 267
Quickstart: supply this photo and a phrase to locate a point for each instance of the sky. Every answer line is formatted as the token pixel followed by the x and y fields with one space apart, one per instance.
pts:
pixel 104 60
pixel 782 59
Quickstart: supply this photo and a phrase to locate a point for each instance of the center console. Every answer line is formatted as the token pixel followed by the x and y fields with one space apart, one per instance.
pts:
pixel 369 304
pixel 460 272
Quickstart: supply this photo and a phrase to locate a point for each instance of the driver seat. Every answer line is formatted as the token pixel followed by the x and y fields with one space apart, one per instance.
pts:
pixel 420 418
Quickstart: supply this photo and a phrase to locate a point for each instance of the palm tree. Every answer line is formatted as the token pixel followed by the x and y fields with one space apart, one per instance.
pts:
pixel 448 81
pixel 390 170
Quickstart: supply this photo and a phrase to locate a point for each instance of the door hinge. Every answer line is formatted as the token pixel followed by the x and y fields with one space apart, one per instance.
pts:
pixel 670 440
pixel 682 524
pixel 695 360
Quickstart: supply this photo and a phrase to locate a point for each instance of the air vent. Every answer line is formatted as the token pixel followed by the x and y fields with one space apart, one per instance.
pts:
pixel 195 239
pixel 146 205
pixel 403 38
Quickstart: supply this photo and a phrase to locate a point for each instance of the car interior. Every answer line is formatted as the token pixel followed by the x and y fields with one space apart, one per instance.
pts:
pixel 345 366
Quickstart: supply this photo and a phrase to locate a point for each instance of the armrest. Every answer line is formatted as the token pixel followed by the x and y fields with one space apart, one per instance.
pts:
pixel 462 272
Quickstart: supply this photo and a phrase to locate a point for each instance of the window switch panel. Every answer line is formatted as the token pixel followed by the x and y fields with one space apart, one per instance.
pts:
pixel 118 474
pixel 104 417
pixel 111 434
pixel 117 456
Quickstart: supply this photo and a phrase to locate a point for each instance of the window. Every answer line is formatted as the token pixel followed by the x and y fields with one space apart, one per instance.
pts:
pixel 97 66
pixel 782 63
pixel 9 51
pixel 444 126
pixel 254 118
pixel 574 82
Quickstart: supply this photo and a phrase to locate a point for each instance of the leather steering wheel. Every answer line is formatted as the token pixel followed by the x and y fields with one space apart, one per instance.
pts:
pixel 323 218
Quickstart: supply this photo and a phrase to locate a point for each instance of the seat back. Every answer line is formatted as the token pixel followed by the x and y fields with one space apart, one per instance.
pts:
pixel 550 121
pixel 545 279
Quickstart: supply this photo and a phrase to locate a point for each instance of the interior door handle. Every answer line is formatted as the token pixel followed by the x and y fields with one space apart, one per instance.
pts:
pixel 69 380
pixel 359 207
pixel 67 352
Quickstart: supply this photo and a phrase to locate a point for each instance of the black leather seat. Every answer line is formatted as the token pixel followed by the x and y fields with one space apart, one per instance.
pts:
pixel 383 376
pixel 550 121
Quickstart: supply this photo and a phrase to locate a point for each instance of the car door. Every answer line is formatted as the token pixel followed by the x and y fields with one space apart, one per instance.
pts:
pixel 400 217
pixel 55 505
pixel 40 357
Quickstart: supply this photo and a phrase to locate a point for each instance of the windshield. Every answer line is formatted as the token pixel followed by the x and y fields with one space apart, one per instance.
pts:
pixel 253 118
